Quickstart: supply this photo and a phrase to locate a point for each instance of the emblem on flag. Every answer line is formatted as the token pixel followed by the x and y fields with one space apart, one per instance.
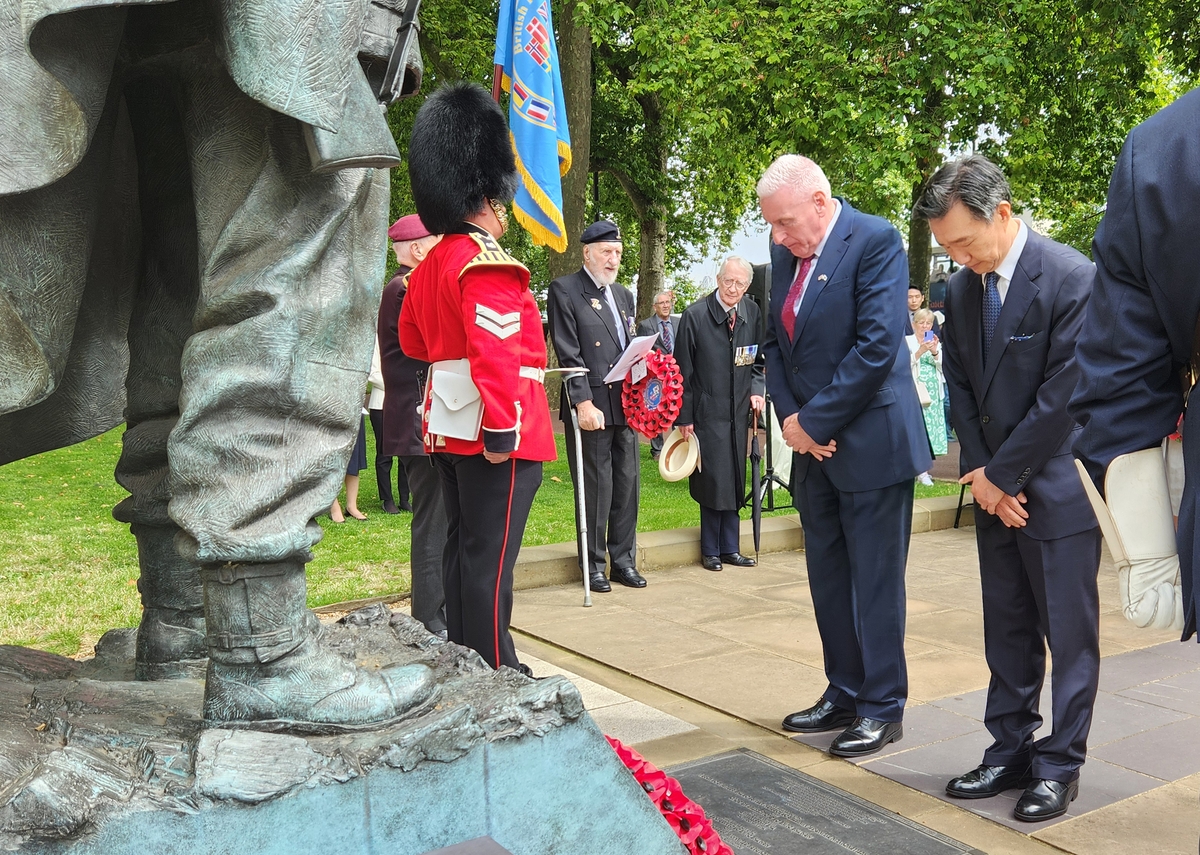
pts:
pixel 526 60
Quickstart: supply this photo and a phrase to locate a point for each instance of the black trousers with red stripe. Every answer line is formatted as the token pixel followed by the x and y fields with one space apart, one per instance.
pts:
pixel 487 505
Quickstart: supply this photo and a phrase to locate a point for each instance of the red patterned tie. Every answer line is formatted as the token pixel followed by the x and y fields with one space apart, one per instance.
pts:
pixel 794 294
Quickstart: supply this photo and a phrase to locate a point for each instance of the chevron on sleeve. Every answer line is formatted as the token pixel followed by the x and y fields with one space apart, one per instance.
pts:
pixel 501 326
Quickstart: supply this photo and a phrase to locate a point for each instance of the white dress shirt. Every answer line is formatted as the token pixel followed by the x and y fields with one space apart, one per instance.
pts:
pixel 816 257
pixel 1006 268
pixel 612 305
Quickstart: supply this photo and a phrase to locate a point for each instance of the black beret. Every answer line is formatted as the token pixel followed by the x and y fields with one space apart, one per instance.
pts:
pixel 601 231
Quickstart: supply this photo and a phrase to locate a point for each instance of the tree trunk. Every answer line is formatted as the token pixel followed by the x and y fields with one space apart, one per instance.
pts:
pixel 651 264
pixel 575 59
pixel 575 56
pixel 920 250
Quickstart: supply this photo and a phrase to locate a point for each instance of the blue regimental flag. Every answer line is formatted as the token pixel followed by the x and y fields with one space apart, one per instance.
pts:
pixel 527 59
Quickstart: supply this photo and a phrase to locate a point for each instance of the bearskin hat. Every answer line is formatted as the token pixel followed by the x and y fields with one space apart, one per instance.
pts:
pixel 460 153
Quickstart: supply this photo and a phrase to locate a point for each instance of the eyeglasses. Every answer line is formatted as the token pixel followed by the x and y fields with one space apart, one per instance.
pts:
pixel 736 283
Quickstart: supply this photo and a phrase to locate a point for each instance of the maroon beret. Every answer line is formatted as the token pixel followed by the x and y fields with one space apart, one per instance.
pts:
pixel 408 228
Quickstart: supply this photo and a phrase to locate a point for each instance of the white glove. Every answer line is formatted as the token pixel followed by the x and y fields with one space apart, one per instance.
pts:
pixel 1139 528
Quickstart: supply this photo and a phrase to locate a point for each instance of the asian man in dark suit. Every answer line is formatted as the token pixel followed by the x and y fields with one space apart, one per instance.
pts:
pixel 1017 308
pixel 665 325
pixel 591 323
pixel 838 372
pixel 1140 331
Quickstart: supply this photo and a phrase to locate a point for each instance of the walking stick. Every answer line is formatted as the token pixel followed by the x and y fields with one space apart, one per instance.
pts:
pixel 577 480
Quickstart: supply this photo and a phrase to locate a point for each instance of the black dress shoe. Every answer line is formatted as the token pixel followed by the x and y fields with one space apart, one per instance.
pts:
pixel 737 559
pixel 1045 800
pixel 866 736
pixel 819 718
pixel 406 506
pixel 628 577
pixel 390 508
pixel 710 562
pixel 986 781
pixel 598 583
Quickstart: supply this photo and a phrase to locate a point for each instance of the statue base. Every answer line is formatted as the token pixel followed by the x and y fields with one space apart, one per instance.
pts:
pixel 94 762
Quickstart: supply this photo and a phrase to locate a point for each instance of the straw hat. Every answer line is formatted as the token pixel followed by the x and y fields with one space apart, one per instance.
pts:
pixel 679 456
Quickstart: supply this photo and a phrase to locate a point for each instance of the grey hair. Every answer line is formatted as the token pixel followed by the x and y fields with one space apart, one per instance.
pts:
pixel 975 181
pixel 923 315
pixel 737 259
pixel 792 170
pixel 663 294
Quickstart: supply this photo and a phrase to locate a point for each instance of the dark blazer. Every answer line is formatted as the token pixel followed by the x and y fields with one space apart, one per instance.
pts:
pixel 716 395
pixel 847 372
pixel 650 327
pixel 583 332
pixel 1142 316
pixel 1010 415
pixel 401 383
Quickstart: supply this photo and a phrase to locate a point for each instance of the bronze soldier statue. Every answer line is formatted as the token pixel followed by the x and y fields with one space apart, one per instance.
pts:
pixel 192 237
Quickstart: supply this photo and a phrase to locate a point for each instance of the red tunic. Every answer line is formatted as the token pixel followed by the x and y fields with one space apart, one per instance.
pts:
pixel 469 299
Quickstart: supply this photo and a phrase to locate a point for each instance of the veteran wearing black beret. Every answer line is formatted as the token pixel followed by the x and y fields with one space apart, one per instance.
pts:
pixel 591 322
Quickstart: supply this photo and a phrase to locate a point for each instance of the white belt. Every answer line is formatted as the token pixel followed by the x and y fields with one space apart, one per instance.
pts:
pixel 538 375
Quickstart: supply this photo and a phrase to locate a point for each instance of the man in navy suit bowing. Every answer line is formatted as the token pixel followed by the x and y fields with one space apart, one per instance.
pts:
pixel 1016 309
pixel 850 413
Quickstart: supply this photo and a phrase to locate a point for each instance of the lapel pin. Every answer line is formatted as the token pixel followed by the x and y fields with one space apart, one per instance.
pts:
pixel 822 278
pixel 596 304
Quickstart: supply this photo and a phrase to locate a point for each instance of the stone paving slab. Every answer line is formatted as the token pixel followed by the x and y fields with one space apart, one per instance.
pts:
pixel 760 658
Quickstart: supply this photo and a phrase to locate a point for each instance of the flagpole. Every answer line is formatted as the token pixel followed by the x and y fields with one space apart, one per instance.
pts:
pixel 497 73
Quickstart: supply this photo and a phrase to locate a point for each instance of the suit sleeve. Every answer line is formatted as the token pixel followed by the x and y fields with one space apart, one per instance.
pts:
pixel 493 299
pixel 782 397
pixel 964 409
pixel 1129 396
pixel 685 351
pixel 1038 436
pixel 564 334
pixel 880 293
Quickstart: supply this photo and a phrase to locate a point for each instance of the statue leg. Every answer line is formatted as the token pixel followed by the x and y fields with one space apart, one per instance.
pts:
pixel 273 376
pixel 170 640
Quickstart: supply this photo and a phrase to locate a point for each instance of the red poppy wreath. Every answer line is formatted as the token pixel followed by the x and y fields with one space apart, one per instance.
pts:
pixel 685 817
pixel 651 405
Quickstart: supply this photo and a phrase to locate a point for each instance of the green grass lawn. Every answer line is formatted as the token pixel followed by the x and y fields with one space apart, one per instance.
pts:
pixel 68 570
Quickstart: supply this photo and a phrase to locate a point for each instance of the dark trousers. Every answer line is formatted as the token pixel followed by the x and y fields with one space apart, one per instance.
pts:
pixel 856 545
pixel 611 478
pixel 656 445
pixel 383 467
pixel 428 540
pixel 1037 592
pixel 487 505
pixel 720 531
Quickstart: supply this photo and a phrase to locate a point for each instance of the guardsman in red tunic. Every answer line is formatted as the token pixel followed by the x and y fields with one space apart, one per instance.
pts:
pixel 469 313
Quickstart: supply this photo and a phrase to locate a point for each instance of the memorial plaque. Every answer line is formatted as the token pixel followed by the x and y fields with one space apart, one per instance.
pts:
pixel 761 807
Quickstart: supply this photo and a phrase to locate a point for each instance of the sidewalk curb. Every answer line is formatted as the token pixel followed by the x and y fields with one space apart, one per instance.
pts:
pixel 556 563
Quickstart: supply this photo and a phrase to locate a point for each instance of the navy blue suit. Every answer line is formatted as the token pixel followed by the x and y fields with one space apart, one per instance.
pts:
pixel 846 376
pixel 1039 582
pixel 1142 317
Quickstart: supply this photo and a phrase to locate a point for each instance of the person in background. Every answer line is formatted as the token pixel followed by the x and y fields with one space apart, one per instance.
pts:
pixel 926 357
pixel 358 462
pixel 721 361
pixel 591 321
pixel 383 460
pixel 666 326
pixel 411 242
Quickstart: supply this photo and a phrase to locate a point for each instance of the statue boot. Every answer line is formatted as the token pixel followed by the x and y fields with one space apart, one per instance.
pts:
pixel 170 639
pixel 267 669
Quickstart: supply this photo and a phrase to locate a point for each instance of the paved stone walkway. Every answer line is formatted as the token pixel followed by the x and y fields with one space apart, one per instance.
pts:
pixel 699 662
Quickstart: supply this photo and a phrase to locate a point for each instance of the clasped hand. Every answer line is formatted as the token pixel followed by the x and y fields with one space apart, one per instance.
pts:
pixel 800 442
pixel 590 416
pixel 995 501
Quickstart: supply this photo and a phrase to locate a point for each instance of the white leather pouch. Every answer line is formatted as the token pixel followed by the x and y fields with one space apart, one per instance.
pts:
pixel 456 409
